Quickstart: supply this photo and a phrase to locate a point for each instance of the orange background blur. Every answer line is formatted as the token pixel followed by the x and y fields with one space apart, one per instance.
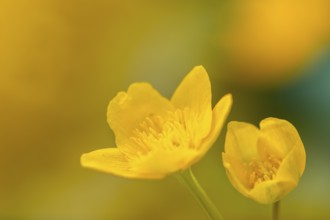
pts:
pixel 61 62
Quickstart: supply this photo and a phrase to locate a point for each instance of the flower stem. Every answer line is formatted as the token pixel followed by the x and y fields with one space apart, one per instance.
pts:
pixel 276 211
pixel 188 179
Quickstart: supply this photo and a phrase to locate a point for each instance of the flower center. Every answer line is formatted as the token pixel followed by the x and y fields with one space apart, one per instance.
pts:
pixel 167 133
pixel 261 171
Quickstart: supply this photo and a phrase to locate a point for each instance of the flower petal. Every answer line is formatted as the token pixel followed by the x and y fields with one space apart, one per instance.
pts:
pixel 194 93
pixel 219 116
pixel 161 162
pixel 290 167
pixel 241 141
pixel 283 137
pixel 271 191
pixel 236 172
pixel 127 110
pixel 109 160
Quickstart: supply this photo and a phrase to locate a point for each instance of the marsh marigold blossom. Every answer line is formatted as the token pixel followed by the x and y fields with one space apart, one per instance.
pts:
pixel 156 136
pixel 264 164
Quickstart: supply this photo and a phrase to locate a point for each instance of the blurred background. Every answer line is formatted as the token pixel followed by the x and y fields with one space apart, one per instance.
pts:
pixel 61 62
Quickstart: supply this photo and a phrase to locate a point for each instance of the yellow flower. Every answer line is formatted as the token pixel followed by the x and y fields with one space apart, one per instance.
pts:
pixel 264 164
pixel 156 136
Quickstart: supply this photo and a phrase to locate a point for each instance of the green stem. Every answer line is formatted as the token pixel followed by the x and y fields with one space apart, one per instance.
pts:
pixel 188 179
pixel 276 211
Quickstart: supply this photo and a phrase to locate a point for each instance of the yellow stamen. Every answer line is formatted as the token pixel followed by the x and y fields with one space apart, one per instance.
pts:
pixel 166 133
pixel 264 170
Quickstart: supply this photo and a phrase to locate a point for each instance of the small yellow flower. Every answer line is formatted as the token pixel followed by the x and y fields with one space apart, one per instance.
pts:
pixel 156 136
pixel 264 164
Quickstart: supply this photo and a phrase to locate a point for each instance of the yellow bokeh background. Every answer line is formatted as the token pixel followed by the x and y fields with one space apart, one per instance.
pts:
pixel 61 62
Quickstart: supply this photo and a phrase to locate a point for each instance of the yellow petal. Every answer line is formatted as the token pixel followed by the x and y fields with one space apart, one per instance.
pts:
pixel 291 167
pixel 283 137
pixel 194 93
pixel 127 110
pixel 271 191
pixel 241 141
pixel 161 162
pixel 109 160
pixel 236 172
pixel 219 116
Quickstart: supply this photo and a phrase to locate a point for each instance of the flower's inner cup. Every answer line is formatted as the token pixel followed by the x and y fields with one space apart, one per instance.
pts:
pixel 263 170
pixel 166 133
